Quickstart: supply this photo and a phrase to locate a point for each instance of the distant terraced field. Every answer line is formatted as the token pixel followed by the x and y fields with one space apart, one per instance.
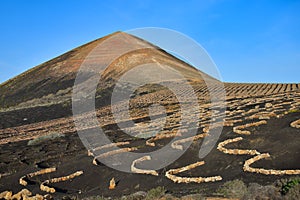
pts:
pixel 250 89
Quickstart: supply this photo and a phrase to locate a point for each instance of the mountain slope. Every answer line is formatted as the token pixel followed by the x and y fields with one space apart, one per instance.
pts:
pixel 53 80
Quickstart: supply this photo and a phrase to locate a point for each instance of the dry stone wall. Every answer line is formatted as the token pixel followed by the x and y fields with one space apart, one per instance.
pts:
pixel 170 174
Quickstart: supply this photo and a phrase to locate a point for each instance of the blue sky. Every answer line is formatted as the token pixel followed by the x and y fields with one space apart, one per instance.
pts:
pixel 250 41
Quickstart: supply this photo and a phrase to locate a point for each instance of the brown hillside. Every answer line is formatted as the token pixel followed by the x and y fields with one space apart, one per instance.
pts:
pixel 54 79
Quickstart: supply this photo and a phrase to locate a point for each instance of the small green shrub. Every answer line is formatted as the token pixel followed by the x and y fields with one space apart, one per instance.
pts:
pixel 293 111
pixel 155 193
pixel 289 185
pixel 136 196
pixel 66 104
pixel 256 191
pixel 233 189
pixel 293 193
pixel 44 138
